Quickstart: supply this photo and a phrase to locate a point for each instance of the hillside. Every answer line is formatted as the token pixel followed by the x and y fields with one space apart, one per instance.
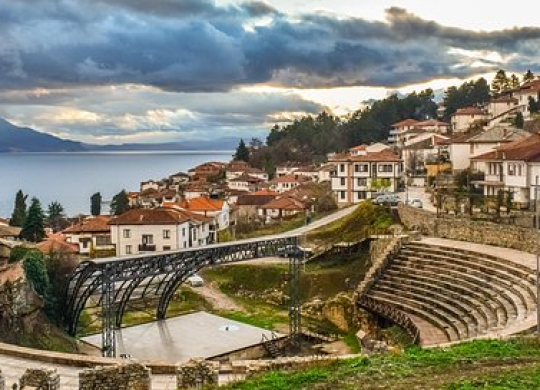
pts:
pixel 481 364
pixel 24 139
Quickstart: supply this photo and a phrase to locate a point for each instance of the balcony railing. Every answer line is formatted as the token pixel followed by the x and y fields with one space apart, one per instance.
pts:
pixel 147 248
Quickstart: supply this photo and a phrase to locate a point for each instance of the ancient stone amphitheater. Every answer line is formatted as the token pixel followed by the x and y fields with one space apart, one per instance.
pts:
pixel 445 291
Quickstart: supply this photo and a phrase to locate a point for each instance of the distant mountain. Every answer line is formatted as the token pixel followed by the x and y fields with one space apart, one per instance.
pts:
pixel 24 139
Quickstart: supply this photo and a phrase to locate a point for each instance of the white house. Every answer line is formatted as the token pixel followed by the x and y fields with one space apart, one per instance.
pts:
pixel 364 173
pixel 423 148
pixel 403 131
pixel 513 167
pixel 287 168
pixel 236 169
pixel 528 90
pixel 287 182
pixel 282 207
pixel 91 235
pixel 326 172
pixel 463 118
pixel 245 182
pixel 155 230
pixel 463 147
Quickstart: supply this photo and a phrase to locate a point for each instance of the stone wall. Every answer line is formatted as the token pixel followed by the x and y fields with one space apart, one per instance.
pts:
pixel 132 376
pixel 465 229
pixel 197 373
pixel 40 379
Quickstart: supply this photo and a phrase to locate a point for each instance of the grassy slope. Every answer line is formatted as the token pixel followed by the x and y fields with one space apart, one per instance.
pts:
pixel 482 364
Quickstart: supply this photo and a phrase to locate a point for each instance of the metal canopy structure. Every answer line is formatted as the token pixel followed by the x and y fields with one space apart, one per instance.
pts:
pixel 111 284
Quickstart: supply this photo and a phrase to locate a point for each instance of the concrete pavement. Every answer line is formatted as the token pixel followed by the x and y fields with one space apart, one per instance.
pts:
pixel 418 193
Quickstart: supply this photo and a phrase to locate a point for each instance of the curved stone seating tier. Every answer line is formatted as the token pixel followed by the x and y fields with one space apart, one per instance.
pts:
pixel 465 293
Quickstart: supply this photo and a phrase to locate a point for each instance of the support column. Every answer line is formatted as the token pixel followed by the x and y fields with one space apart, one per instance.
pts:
pixel 296 258
pixel 108 315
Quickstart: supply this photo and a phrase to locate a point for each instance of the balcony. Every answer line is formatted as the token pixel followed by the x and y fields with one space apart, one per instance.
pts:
pixel 147 248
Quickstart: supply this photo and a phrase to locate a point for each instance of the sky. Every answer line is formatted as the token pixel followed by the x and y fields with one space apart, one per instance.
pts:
pixel 118 71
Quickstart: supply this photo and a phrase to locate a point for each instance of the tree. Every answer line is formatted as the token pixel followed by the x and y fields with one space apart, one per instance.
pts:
pixel 513 82
pixel 120 203
pixel 33 229
pixel 255 144
pixel 471 93
pixel 56 218
pixel 529 76
pixel 36 272
pixel 500 83
pixel 95 204
pixel 519 122
pixel 534 105
pixel 242 152
pixel 19 211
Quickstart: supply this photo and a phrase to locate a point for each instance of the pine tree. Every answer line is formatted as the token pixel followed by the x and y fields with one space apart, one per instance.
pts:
pixel 95 204
pixel 19 211
pixel 56 218
pixel 33 229
pixel 500 83
pixel 529 76
pixel 242 152
pixel 120 203
pixel 513 82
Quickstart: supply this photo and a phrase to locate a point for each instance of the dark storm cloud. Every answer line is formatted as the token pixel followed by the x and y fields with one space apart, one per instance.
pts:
pixel 197 45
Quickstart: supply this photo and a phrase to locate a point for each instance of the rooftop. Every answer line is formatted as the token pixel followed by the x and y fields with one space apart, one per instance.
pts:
pixel 99 224
pixel 470 111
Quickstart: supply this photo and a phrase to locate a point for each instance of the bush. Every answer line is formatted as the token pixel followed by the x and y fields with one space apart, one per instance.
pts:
pixel 36 272
pixel 17 254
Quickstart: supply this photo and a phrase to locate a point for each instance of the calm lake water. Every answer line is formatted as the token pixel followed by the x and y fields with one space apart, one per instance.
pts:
pixel 71 178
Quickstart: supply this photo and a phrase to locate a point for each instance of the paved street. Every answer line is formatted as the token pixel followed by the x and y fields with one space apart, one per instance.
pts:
pixel 418 193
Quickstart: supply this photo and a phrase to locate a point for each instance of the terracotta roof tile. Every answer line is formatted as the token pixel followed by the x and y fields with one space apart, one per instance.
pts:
pixel 202 204
pixel 406 122
pixel 470 111
pixel 97 224
pixel 159 216
pixel 284 203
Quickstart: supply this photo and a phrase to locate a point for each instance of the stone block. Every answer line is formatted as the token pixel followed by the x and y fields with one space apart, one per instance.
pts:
pixel 197 373
pixel 132 376
pixel 40 379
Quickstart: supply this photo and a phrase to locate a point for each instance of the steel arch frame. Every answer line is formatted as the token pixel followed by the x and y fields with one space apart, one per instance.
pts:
pixel 113 281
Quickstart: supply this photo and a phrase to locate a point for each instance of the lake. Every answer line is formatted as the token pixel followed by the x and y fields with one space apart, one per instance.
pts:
pixel 72 178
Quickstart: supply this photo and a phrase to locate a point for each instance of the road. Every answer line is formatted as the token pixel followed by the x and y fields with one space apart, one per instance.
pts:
pixel 419 193
pixel 323 221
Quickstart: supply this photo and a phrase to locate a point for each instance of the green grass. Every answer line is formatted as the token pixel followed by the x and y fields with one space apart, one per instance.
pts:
pixel 482 364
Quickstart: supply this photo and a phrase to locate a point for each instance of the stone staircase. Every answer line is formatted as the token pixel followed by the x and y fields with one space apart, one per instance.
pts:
pixel 453 294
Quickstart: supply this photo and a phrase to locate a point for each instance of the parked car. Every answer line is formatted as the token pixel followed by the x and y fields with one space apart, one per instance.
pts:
pixel 415 203
pixel 195 281
pixel 301 251
pixel 387 199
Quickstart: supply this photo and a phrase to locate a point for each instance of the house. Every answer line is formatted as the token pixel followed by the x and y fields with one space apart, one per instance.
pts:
pixel 285 206
pixel 287 168
pixel 216 210
pixel 197 190
pixel 206 171
pixel 326 172
pixel 9 232
pixel 285 183
pixel 4 222
pixel 527 91
pixel 179 178
pixel 514 167
pixel 154 230
pixel 422 149
pixel 245 182
pixel 237 169
pixel 247 205
pixel 309 171
pixel 155 198
pixel 91 235
pixel 57 244
pixel 462 147
pixel 399 129
pixel 364 172
pixel 502 105
pixel 403 131
pixel 464 118
pixel 151 185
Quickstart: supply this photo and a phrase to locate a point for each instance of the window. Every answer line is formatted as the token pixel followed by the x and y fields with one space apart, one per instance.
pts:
pixel 511 169
pixel 127 233
pixel 342 167
pixel 342 194
pixel 166 248
pixel 129 250
pixel 342 181
pixel 362 182
pixel 147 239
pixel 385 168
pixel 103 240
pixel 166 234
pixel 183 232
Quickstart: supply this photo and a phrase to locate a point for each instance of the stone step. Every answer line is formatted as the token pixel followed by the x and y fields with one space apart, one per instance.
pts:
pixel 453 311
pixel 470 307
pixel 473 261
pixel 438 319
pixel 518 287
pixel 457 251
pixel 486 307
pixel 511 302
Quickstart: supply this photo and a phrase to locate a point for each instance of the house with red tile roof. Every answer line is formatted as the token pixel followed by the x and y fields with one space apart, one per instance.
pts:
pixel 362 173
pixel 245 182
pixel 464 118
pixel 514 167
pixel 237 169
pixel 156 230
pixel 285 206
pixel 403 131
pixel 287 182
pixel 90 235
pixel 529 90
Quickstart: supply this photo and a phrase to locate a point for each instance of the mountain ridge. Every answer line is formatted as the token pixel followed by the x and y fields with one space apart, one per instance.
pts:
pixel 15 139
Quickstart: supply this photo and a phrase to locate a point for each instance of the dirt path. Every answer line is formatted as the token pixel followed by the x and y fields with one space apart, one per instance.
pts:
pixel 216 298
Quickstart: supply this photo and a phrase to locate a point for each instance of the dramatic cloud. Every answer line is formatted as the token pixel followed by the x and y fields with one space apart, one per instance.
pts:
pixel 112 68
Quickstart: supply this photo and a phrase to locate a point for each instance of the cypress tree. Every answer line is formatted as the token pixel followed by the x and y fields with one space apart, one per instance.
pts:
pixel 120 203
pixel 34 226
pixel 95 204
pixel 19 211
pixel 242 152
